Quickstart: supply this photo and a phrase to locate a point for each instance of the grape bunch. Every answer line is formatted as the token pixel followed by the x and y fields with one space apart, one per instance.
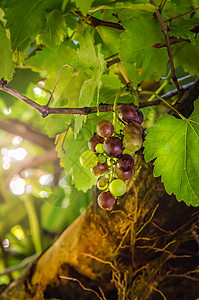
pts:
pixel 111 154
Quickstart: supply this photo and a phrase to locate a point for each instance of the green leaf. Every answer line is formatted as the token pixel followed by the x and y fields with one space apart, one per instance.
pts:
pixel 187 56
pixel 25 19
pixel 94 61
pixel 83 179
pixel 137 49
pixel 51 61
pixel 6 65
pixel 55 199
pixel 56 124
pixel 181 28
pixel 55 29
pixel 174 143
pixel 83 5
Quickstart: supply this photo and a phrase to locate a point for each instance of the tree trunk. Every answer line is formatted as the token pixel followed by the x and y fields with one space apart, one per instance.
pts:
pixel 145 248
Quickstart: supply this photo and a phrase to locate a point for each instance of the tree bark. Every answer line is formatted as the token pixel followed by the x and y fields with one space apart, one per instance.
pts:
pixel 145 248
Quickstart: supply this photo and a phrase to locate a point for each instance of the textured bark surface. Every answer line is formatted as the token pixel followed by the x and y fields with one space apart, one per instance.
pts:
pixel 146 248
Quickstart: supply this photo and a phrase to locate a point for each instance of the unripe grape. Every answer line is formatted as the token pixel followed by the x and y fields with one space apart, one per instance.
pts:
pixel 125 162
pixel 99 148
pixel 100 169
pixel 123 175
pixel 102 159
pixel 106 200
pixel 94 141
pixel 105 128
pixel 88 159
pixel 117 187
pixel 133 127
pixel 132 142
pixel 102 184
pixel 113 146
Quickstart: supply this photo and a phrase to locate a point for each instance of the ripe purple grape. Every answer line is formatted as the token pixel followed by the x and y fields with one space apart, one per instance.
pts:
pixel 123 175
pixel 94 140
pixel 125 162
pixel 139 118
pixel 106 200
pixel 113 146
pixel 105 128
pixel 100 169
pixel 129 114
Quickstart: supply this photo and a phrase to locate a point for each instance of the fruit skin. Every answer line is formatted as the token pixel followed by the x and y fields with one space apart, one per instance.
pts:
pixel 102 159
pixel 102 184
pixel 129 114
pixel 139 118
pixel 113 146
pixel 94 140
pixel 100 169
pixel 125 162
pixel 88 159
pixel 132 128
pixel 105 128
pixel 99 148
pixel 132 142
pixel 106 200
pixel 123 175
pixel 117 187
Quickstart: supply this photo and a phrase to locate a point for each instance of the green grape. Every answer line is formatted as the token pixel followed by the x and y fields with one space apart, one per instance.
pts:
pixel 99 148
pixel 128 152
pixel 102 184
pixel 117 187
pixel 102 159
pixel 132 142
pixel 88 159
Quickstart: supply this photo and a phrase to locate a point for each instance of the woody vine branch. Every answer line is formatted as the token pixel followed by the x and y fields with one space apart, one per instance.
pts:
pixel 45 110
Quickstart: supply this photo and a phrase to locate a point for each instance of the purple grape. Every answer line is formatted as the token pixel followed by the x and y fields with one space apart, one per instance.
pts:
pixel 123 175
pixel 129 114
pixel 106 200
pixel 113 146
pixel 100 169
pixel 105 128
pixel 125 162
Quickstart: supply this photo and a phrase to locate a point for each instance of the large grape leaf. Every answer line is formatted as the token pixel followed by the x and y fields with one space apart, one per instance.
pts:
pixel 187 56
pixel 6 65
pixel 137 49
pixel 174 144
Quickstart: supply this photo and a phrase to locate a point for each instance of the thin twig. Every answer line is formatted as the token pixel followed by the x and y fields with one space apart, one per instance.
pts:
pixel 82 286
pixel 64 66
pixel 165 32
pixel 182 15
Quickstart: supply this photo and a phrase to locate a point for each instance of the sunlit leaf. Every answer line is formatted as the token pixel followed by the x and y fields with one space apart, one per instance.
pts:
pixel 6 65
pixel 174 143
